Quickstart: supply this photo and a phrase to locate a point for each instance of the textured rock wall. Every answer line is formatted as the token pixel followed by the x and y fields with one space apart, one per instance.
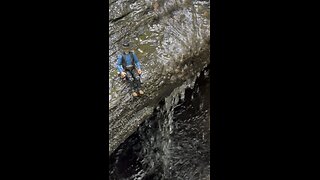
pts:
pixel 172 40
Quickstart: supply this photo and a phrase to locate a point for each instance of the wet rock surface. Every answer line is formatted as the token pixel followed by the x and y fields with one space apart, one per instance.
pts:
pixel 174 143
pixel 172 40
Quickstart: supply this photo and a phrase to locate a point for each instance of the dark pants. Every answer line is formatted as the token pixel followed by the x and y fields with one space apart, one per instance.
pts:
pixel 134 79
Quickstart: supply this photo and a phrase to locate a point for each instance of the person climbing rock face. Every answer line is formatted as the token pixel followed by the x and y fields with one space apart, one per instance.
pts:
pixel 129 68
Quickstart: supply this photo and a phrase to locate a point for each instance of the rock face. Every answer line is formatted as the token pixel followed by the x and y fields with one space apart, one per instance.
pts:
pixel 174 143
pixel 172 42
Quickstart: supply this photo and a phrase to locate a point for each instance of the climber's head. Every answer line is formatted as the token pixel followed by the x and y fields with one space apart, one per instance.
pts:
pixel 126 46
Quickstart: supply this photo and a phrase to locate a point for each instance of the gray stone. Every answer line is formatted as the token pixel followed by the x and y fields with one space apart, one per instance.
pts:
pixel 174 45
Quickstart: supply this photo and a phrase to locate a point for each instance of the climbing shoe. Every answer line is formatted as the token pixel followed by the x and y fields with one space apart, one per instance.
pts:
pixel 134 94
pixel 141 92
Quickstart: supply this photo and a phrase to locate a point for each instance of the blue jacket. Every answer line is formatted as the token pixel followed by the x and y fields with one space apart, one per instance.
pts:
pixel 128 61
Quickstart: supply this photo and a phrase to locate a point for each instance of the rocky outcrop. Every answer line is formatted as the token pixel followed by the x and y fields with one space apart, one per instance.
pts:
pixel 174 143
pixel 172 42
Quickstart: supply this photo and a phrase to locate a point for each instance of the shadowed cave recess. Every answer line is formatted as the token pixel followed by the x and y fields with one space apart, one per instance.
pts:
pixel 174 143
